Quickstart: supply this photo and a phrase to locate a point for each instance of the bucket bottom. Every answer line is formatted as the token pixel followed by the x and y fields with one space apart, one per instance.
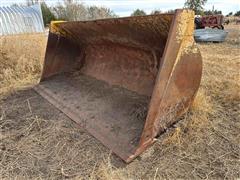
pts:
pixel 112 114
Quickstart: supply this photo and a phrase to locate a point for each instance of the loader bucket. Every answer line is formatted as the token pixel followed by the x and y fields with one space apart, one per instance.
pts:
pixel 125 80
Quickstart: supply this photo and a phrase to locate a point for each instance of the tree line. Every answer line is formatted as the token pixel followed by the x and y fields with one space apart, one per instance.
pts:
pixel 73 10
pixel 196 5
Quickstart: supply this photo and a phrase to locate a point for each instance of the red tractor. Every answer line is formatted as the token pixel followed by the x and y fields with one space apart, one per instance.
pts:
pixel 211 21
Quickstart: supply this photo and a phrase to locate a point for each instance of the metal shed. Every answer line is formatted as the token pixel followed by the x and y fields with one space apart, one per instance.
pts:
pixel 21 20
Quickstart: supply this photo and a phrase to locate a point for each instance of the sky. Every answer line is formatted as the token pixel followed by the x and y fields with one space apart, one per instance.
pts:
pixel 126 7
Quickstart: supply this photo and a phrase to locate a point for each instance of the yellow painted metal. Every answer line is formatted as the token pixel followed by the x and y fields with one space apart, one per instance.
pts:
pixel 54 27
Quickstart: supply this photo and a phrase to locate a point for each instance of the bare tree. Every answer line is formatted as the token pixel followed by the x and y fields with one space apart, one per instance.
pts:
pixel 95 12
pixel 170 11
pixel 31 2
pixel 72 10
pixel 156 12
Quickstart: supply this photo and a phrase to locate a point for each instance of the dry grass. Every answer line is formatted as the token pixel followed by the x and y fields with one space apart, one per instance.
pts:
pixel 232 19
pixel 37 141
pixel 21 59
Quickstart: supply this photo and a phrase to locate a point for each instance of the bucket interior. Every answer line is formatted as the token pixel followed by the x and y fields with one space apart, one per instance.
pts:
pixel 102 73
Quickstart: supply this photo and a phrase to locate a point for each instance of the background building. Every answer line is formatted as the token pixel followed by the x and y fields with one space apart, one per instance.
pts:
pixel 21 20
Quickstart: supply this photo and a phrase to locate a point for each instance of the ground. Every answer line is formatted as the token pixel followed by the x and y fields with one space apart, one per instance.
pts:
pixel 38 141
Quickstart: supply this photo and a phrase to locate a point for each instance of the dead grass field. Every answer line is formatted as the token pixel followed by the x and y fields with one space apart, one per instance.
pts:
pixel 40 142
pixel 21 59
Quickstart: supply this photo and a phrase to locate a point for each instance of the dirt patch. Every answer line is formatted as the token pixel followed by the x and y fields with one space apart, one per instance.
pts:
pixel 38 141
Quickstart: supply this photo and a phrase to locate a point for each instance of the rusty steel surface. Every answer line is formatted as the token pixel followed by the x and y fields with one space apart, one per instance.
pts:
pixel 114 115
pixel 212 21
pixel 125 80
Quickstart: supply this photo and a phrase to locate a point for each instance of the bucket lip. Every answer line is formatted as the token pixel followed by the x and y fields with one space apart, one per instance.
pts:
pixel 122 18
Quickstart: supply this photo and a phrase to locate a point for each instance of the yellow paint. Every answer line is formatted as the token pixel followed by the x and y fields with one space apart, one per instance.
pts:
pixel 184 36
pixel 54 27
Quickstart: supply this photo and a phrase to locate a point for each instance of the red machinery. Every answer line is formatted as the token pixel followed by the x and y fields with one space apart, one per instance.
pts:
pixel 212 21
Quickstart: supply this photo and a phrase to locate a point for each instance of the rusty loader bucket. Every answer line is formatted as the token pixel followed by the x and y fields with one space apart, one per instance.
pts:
pixel 125 80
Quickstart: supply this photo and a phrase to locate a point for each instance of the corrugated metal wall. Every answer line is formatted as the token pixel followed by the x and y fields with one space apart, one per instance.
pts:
pixel 20 20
